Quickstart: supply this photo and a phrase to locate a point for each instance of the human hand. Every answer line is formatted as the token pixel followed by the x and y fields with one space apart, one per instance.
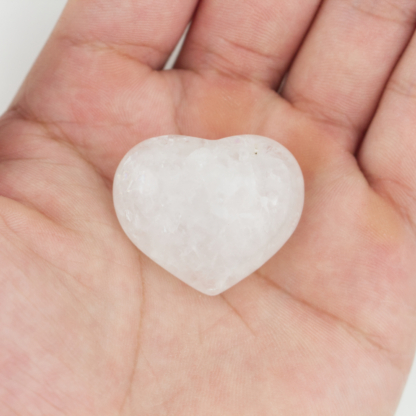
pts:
pixel 90 326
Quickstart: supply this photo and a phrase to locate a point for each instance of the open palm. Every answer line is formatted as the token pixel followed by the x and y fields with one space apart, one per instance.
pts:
pixel 90 326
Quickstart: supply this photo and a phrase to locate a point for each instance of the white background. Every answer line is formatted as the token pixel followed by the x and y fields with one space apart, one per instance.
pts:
pixel 24 27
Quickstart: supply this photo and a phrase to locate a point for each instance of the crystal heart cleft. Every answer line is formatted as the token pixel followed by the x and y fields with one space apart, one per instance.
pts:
pixel 210 212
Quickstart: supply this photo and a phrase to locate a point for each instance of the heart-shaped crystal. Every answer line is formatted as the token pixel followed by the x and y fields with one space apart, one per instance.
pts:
pixel 210 212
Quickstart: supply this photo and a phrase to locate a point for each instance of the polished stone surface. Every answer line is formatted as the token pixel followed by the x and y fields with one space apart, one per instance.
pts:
pixel 210 212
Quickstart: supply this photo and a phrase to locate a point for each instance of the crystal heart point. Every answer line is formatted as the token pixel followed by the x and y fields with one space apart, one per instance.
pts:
pixel 210 212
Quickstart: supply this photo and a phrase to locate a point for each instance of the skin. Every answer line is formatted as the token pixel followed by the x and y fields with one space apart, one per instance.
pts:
pixel 90 326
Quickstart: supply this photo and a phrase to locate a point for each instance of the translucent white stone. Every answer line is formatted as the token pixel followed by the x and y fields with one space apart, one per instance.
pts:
pixel 210 212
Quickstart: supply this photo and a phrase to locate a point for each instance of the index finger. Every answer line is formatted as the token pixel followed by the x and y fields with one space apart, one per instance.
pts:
pixel 146 30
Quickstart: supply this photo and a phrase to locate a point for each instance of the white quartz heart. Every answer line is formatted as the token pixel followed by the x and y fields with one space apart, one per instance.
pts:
pixel 210 212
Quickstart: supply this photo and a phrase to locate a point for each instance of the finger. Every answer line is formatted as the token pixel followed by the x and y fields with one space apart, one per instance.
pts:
pixel 146 30
pixel 92 86
pixel 252 39
pixel 388 153
pixel 345 61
